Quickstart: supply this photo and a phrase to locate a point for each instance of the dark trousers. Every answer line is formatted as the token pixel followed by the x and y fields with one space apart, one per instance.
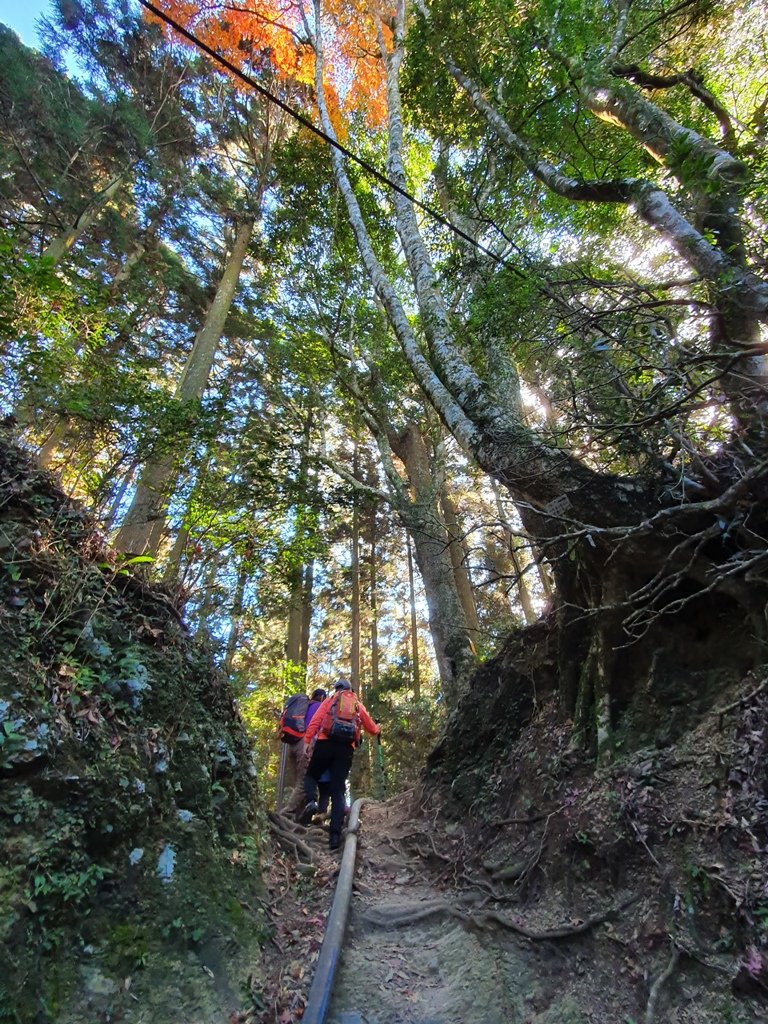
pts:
pixel 337 758
pixel 324 798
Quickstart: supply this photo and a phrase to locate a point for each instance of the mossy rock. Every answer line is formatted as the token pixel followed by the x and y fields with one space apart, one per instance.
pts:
pixel 130 825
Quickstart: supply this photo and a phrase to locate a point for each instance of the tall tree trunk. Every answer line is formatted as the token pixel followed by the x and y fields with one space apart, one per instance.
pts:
pixel 295 617
pixel 236 615
pixel 354 569
pixel 374 607
pixel 306 610
pixel 431 542
pixel 142 528
pixel 497 563
pixel 414 633
pixel 302 573
pixel 460 561
pixel 48 449
pixel 208 602
pixel 126 268
pixel 117 500
pixel 522 587
pixel 543 573
pixel 176 554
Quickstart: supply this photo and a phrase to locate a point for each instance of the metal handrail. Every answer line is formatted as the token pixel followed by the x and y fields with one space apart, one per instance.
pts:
pixel 322 983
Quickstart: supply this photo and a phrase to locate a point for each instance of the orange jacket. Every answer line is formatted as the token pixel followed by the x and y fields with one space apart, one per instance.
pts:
pixel 317 726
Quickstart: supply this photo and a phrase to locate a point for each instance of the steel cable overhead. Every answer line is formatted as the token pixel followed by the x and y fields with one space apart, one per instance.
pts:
pixel 310 126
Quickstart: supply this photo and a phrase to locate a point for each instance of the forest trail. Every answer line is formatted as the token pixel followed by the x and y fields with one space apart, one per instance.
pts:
pixel 412 954
pixel 405 961
pixel 432 940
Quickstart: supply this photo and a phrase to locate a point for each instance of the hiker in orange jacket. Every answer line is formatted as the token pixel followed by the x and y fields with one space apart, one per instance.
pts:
pixel 330 741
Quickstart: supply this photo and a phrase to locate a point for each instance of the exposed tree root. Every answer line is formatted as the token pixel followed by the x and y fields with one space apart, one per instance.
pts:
pixel 566 932
pixel 481 883
pixel 657 986
pixel 290 841
pixel 721 712
pixel 526 821
pixel 403 916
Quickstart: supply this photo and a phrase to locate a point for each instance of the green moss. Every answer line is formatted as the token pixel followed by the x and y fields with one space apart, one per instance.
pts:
pixel 131 746
pixel 565 1011
pixel 129 945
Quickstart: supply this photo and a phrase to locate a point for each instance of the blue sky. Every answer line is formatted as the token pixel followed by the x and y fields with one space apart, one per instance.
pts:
pixel 21 15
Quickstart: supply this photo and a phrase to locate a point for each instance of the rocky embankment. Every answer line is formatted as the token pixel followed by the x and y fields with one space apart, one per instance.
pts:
pixel 131 864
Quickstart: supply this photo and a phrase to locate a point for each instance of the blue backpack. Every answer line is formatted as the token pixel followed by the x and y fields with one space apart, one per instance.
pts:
pixel 293 718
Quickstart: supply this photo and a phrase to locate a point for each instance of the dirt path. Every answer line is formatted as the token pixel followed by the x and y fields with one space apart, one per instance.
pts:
pixel 427 943
pixel 405 960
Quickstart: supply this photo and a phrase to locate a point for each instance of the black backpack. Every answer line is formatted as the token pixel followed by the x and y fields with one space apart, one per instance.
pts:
pixel 293 718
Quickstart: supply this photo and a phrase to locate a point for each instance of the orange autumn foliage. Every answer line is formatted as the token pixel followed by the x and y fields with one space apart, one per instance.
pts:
pixel 255 33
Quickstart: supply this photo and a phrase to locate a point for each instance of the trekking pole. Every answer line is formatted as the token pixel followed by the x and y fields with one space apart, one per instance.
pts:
pixel 281 776
pixel 380 761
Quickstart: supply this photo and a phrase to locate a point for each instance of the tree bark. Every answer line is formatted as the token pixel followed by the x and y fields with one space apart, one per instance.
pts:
pixel 235 615
pixel 354 570
pixel 197 368
pixel 460 561
pixel 522 587
pixel 117 500
pixel 62 243
pixel 208 601
pixel 374 607
pixel 144 522
pixel 306 610
pixel 295 617
pixel 171 573
pixel 302 574
pixel 414 632
pixel 431 543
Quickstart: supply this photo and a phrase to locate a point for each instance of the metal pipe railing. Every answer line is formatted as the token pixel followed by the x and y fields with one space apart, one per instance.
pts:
pixel 322 983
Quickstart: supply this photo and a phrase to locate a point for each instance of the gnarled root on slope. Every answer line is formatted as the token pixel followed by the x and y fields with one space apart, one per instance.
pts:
pixel 404 915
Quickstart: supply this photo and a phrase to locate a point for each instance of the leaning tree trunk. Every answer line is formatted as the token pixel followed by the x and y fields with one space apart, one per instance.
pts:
pixel 63 242
pixel 142 528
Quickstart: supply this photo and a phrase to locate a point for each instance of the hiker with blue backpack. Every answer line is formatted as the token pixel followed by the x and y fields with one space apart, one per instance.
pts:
pixel 329 741
pixel 296 716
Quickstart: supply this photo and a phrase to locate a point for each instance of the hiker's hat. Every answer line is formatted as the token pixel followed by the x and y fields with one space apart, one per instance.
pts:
pixel 342 684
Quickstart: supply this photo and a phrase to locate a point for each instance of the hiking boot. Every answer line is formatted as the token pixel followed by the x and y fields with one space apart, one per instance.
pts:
pixel 308 813
pixel 334 841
